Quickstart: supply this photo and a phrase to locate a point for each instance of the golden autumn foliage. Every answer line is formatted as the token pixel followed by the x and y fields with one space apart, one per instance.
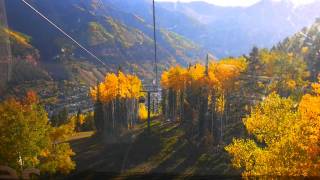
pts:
pixel 121 86
pixel 117 97
pixel 17 37
pixel 82 119
pixel 220 75
pixel 61 133
pixel 304 50
pixel 143 112
pixel 28 140
pixel 287 71
pixel 187 88
pixel 196 72
pixel 287 138
pixel 175 78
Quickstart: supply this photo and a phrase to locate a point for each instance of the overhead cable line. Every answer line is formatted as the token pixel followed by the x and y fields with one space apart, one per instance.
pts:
pixel 63 32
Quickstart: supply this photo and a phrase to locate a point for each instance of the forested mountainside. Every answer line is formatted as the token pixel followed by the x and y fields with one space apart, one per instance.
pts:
pixel 120 31
pixel 26 58
pixel 60 72
pixel 118 38
pixel 306 43
pixel 228 31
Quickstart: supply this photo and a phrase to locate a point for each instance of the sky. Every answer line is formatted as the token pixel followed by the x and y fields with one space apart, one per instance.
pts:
pixel 238 2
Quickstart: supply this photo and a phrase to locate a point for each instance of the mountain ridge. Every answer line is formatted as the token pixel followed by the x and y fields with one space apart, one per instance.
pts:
pixel 116 37
pixel 233 31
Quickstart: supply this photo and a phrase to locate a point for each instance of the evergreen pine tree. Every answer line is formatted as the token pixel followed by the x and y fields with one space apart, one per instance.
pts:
pixel 78 123
pixel 251 85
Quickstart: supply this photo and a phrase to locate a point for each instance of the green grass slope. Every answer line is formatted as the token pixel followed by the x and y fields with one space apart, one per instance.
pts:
pixel 166 153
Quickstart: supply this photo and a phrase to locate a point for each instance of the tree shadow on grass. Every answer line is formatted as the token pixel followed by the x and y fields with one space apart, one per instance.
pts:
pixel 95 159
pixel 183 157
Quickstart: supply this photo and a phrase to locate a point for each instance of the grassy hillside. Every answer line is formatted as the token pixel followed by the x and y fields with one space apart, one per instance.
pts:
pixel 166 153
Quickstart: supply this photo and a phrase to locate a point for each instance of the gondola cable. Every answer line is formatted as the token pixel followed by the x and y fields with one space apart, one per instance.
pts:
pixel 63 32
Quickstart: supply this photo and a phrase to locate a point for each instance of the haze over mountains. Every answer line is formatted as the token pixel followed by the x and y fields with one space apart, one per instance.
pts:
pixel 231 31
pixel 120 31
